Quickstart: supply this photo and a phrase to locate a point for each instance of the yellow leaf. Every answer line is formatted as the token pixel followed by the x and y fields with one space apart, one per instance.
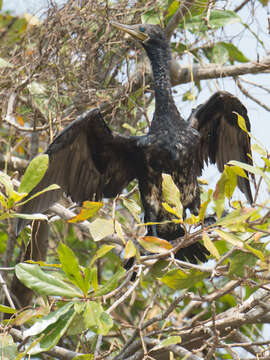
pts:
pixel 210 246
pixel 154 244
pixel 202 181
pixel 133 208
pixel 258 235
pixel 258 253
pixel 237 170
pixel 119 231
pixel 88 210
pixel 171 210
pixel 204 205
pixel 130 250
pixel 42 263
pixel 241 122
pixel 101 228
pixel 171 193
pixel 192 220
pixel 20 120
pixel 103 250
pixel 32 19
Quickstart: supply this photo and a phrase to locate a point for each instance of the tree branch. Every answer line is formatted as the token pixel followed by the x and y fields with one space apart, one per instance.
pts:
pixel 181 75
pixel 57 351
pixel 13 162
pixel 178 16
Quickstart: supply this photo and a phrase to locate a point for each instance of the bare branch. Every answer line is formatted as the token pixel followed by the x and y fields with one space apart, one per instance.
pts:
pixel 181 75
pixel 245 92
pixel 57 351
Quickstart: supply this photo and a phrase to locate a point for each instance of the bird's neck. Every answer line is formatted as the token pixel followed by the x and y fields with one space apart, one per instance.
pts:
pixel 160 59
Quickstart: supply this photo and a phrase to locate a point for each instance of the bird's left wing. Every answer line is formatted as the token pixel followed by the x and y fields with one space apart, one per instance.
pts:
pixel 221 138
pixel 87 161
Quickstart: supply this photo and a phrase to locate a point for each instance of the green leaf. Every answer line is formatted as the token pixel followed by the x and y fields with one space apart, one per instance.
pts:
pixel 96 319
pixel 178 279
pixel 48 188
pixel 258 253
pixel 25 316
pixel 45 284
pixel 5 180
pixel 111 284
pixel 171 340
pixel 154 244
pixel 171 194
pixel 84 357
pixel 41 324
pixel 105 323
pixel 236 218
pixel 71 268
pixel 7 309
pixel 78 325
pixel 234 53
pixel 34 173
pixel 172 8
pixel 218 18
pixel 88 210
pixel 229 237
pixel 101 228
pixel 220 54
pixel 94 277
pixel 103 250
pixel 210 246
pixel 241 262
pixel 8 349
pixel 54 332
pixel 151 17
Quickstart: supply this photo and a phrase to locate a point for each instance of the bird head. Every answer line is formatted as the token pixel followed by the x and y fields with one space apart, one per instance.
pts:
pixel 148 34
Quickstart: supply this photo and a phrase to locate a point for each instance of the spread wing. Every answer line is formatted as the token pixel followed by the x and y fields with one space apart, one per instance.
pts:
pixel 221 139
pixel 87 161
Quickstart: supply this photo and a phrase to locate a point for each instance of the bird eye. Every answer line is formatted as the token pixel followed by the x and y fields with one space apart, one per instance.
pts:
pixel 142 28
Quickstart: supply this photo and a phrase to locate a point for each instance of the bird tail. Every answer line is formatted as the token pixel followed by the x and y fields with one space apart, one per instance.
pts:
pixel 193 253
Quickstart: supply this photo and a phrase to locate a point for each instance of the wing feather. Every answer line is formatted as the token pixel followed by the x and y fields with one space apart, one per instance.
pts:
pixel 87 161
pixel 221 139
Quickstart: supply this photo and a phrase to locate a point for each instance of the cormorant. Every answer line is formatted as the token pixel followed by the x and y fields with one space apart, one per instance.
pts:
pixel 90 162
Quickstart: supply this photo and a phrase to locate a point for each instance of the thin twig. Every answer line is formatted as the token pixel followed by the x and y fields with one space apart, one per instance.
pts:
pixel 245 92
pixel 5 288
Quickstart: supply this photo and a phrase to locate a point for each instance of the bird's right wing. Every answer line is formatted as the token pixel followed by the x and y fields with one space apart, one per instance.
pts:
pixel 87 161
pixel 221 138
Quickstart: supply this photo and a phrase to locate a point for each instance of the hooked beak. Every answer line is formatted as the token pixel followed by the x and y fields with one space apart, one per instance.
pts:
pixel 132 30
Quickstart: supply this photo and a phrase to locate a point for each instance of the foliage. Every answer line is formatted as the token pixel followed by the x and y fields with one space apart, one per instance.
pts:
pixel 83 297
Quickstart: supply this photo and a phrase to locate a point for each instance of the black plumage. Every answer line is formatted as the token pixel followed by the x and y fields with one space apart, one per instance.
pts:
pixel 90 162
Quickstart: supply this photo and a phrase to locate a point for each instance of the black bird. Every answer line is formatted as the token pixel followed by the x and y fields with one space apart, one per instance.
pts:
pixel 90 162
